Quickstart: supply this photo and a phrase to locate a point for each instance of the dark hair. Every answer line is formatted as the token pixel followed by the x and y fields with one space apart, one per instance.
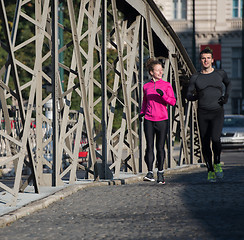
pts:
pixel 151 62
pixel 206 50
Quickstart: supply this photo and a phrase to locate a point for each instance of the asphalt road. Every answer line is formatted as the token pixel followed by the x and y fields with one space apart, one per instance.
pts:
pixel 186 207
pixel 233 157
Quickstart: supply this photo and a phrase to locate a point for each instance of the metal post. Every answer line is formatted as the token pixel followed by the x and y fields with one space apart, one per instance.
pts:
pixel 140 90
pixel 242 107
pixel 61 42
pixel 170 125
pixel 54 8
pixel 84 101
pixel 193 34
pixel 191 124
pixel 104 87
pixel 124 87
pixel 149 32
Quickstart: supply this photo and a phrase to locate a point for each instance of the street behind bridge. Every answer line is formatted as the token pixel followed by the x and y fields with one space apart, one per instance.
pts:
pixel 187 207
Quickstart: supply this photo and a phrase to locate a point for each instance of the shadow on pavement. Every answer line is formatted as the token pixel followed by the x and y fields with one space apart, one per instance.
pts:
pixel 217 207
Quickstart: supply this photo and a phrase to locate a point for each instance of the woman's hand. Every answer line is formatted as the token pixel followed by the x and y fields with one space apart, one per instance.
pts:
pixel 141 115
pixel 160 92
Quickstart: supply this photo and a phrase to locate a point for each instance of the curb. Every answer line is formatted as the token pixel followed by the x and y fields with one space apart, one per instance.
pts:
pixel 32 207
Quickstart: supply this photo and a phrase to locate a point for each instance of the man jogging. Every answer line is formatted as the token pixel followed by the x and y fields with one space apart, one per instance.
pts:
pixel 211 87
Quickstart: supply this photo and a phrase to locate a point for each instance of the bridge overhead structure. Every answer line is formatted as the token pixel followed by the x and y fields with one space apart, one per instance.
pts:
pixel 71 82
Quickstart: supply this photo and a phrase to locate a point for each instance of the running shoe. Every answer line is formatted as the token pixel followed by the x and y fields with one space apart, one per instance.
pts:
pixel 211 176
pixel 160 179
pixel 149 177
pixel 218 170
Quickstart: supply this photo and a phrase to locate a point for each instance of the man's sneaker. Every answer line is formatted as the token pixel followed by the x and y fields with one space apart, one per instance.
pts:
pixel 149 177
pixel 218 170
pixel 211 176
pixel 160 178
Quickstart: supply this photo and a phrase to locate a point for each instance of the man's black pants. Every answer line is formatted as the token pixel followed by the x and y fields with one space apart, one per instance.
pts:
pixel 210 126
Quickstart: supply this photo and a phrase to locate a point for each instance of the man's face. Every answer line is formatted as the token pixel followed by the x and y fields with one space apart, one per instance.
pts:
pixel 206 60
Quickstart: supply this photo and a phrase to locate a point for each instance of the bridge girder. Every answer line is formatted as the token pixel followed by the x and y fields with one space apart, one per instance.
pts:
pixel 97 99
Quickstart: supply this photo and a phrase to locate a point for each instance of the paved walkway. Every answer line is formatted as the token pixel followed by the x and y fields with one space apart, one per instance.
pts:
pixel 187 207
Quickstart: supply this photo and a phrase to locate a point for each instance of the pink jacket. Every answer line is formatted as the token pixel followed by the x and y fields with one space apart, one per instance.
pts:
pixel 154 106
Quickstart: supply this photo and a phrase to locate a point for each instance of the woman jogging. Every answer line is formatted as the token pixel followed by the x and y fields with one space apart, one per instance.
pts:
pixel 157 95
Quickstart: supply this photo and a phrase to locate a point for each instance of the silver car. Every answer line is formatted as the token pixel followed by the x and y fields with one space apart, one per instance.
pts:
pixel 233 132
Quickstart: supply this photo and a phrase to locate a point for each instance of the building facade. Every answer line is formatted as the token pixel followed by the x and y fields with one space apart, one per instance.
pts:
pixel 218 25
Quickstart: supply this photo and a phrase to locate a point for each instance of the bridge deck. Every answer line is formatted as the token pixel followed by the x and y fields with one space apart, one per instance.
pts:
pixel 187 207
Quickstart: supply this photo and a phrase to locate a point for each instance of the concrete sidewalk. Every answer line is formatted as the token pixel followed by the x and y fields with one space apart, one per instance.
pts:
pixel 29 201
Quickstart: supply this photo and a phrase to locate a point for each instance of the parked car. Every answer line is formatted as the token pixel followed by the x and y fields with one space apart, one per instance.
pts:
pixel 233 132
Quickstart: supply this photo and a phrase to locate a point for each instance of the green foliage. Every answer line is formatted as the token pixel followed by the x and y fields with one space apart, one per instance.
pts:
pixel 25 31
pixel 10 9
pixel 27 55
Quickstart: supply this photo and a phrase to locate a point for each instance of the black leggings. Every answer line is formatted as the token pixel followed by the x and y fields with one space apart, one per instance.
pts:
pixel 160 130
pixel 210 126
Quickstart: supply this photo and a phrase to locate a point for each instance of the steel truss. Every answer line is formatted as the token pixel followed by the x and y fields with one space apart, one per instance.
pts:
pixel 119 36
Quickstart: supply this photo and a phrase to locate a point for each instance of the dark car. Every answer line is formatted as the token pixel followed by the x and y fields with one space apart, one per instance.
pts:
pixel 233 132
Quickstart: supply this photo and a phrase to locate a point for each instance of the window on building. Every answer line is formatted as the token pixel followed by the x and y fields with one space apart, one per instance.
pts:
pixel 237 8
pixel 180 9
pixel 236 62
pixel 236 105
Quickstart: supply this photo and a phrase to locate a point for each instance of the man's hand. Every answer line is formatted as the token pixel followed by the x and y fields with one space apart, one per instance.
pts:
pixel 223 100
pixel 160 92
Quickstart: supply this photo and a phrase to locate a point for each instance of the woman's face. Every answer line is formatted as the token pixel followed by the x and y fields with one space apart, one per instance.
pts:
pixel 157 72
